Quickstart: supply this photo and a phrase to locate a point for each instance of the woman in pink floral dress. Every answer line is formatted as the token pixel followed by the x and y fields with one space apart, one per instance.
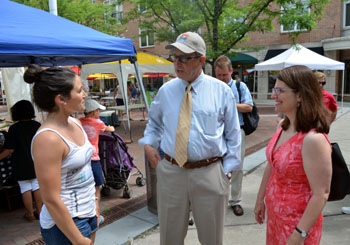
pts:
pixel 296 181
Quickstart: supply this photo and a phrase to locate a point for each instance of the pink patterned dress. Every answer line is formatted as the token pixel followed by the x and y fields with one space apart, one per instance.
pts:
pixel 288 191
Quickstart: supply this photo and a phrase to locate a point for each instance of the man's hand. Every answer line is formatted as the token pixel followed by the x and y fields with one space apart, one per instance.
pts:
pixel 152 155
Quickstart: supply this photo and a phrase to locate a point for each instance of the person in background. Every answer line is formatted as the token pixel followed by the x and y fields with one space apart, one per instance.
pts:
pixel 17 143
pixel 93 126
pixel 328 98
pixel 132 90
pixel 237 78
pixel 118 94
pixel 331 104
pixel 171 76
pixel 62 158
pixel 296 182
pixel 196 124
pixel 223 72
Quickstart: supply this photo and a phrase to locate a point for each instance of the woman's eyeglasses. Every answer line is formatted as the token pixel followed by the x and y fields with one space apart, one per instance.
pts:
pixel 184 59
pixel 322 83
pixel 279 90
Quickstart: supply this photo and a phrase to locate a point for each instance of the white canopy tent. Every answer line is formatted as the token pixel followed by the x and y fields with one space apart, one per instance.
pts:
pixel 299 55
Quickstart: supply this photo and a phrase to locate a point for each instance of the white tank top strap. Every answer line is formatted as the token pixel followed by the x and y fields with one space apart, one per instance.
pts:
pixel 80 126
pixel 55 131
pixel 68 142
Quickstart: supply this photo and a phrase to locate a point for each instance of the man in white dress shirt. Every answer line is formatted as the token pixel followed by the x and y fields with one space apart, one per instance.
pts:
pixel 213 150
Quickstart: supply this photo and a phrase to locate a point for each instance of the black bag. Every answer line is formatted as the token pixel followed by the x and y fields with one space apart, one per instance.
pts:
pixel 340 184
pixel 250 119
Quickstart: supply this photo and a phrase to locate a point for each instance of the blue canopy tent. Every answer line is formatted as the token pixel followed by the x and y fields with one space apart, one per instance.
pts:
pixel 33 36
pixel 29 35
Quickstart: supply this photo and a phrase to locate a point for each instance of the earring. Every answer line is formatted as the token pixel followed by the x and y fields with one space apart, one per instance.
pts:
pixel 298 104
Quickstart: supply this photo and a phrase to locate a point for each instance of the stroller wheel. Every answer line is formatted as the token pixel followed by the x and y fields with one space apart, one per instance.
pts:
pixel 127 193
pixel 105 191
pixel 140 181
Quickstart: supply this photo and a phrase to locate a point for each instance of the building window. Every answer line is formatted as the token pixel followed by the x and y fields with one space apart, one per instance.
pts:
pixel 118 14
pixel 146 38
pixel 347 14
pixel 294 26
pixel 143 6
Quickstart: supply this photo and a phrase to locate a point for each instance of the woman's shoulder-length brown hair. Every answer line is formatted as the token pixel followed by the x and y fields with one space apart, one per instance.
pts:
pixel 311 112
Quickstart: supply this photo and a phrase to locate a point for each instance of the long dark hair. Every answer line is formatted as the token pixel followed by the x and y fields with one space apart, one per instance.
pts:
pixel 311 112
pixel 48 83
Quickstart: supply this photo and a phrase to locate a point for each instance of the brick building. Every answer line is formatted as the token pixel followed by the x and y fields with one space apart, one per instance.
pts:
pixel 330 37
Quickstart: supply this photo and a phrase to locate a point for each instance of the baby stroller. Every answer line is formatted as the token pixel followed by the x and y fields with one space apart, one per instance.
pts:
pixel 117 164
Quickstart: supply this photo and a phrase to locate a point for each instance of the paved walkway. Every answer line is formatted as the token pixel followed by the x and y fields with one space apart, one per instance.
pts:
pixel 16 231
pixel 126 219
pixel 142 228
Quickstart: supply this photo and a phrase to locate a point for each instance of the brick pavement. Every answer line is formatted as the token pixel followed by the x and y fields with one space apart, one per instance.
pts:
pixel 15 230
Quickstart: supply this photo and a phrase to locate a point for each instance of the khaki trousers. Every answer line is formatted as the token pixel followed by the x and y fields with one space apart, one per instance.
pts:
pixel 237 178
pixel 205 190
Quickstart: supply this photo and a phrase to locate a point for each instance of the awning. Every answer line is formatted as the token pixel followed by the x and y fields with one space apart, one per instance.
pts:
pixel 149 74
pixel 101 76
pixel 274 52
pixel 240 58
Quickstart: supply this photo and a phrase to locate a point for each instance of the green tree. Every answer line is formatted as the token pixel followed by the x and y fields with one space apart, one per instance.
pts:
pixel 95 15
pixel 223 23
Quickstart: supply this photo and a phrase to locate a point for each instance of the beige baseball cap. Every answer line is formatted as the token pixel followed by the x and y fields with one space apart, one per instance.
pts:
pixel 91 105
pixel 189 42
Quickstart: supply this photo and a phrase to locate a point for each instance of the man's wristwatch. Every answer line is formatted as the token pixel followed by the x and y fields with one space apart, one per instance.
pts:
pixel 302 233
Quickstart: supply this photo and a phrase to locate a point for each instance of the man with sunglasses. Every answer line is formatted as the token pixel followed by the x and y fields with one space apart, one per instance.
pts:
pixel 198 179
pixel 328 98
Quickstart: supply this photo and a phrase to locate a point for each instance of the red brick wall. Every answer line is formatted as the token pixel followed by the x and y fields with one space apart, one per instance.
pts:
pixel 133 31
pixel 329 27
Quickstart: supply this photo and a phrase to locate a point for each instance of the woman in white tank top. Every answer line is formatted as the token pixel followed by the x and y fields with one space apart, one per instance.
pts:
pixel 62 154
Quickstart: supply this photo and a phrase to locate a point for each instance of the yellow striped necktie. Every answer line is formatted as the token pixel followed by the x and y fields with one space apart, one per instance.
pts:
pixel 183 128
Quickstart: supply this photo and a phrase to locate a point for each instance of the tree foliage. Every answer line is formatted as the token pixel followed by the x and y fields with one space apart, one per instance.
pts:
pixel 95 15
pixel 224 23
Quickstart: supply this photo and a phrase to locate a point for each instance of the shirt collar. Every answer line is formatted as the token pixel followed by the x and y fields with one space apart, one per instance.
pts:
pixel 230 83
pixel 195 84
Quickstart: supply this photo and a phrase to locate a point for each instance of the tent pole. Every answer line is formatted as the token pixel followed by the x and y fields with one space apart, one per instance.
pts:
pixel 139 79
pixel 254 84
pixel 125 98
pixel 342 91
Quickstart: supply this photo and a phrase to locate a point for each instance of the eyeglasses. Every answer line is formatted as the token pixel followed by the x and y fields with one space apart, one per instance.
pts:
pixel 279 90
pixel 184 59
pixel 322 83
